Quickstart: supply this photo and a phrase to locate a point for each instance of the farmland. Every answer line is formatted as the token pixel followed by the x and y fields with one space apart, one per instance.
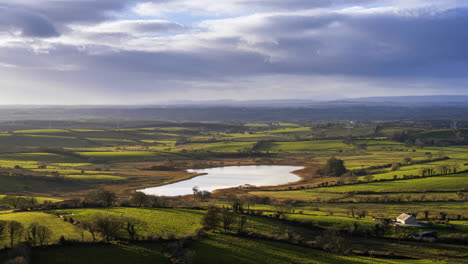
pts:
pixel 54 177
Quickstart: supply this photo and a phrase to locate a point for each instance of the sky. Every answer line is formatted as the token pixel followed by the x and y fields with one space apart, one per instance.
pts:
pixel 158 51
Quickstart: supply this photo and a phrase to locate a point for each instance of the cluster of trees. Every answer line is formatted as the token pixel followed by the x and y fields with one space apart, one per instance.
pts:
pixel 200 194
pixel 110 226
pixel 444 169
pixel 102 197
pixel 19 202
pixel 333 168
pixel 222 219
pixel 107 198
pixel 15 231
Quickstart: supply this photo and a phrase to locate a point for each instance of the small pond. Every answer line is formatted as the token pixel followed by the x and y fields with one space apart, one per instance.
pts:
pixel 227 177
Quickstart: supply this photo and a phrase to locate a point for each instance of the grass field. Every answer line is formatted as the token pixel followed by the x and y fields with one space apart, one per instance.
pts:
pixel 37 158
pixel 123 160
pixel 228 146
pixel 58 226
pixel 40 200
pixel 438 183
pixel 220 249
pixel 160 221
pixel 128 155
pixel 325 146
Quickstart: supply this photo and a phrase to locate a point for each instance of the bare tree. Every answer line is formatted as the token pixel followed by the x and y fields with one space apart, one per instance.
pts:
pixel 211 219
pixel 105 198
pixel 14 231
pixel 228 219
pixel 107 225
pixel 3 225
pixel 38 234
pixel 88 225
pixel 134 227
pixel 139 199
pixel 44 234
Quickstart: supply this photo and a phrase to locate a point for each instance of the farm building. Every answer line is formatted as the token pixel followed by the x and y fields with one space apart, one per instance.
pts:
pixel 407 219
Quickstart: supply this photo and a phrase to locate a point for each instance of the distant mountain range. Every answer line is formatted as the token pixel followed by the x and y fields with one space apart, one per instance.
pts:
pixel 439 99
pixel 432 99
pixel 440 107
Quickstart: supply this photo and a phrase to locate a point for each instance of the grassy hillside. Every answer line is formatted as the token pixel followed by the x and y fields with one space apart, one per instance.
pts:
pixel 101 254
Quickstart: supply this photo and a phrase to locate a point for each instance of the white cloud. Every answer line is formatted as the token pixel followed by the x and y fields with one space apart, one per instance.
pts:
pixel 131 27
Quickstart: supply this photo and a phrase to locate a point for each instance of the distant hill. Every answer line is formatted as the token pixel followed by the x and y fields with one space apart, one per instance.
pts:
pixel 279 102
pixel 441 107
pixel 436 99
pixel 432 99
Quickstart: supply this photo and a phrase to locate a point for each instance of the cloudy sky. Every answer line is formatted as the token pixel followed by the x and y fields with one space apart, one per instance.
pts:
pixel 155 51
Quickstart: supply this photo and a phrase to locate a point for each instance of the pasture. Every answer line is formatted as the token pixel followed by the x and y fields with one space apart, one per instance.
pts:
pixel 69 163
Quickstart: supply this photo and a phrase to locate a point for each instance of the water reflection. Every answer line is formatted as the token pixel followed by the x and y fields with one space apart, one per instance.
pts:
pixel 226 177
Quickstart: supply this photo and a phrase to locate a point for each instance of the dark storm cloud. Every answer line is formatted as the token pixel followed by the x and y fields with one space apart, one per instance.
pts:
pixel 66 11
pixel 367 44
pixel 348 43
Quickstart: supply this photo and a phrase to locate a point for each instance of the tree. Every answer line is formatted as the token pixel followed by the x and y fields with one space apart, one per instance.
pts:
pixel 349 177
pixel 107 225
pixel 195 190
pixel 334 167
pixel 87 225
pixel 200 194
pixel 395 166
pixel 44 234
pixel 331 240
pixel 381 229
pixel 14 230
pixel 38 234
pixel 3 225
pixel 369 177
pixel 105 198
pixel 133 226
pixel 32 233
pixel 241 223
pixel 228 219
pixel 139 199
pixel 236 203
pixel 204 195
pixel 426 214
pixel 19 202
pixel 211 219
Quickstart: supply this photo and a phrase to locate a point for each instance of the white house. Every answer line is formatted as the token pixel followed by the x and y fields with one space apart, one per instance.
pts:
pixel 407 219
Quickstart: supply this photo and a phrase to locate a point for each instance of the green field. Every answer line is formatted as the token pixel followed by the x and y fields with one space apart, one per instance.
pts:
pixel 128 155
pixel 229 249
pixel 437 183
pixel 133 158
pixel 160 221
pixel 310 146
pixel 58 226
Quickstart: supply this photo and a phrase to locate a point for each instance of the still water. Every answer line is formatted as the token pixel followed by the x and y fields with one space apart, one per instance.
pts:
pixel 226 177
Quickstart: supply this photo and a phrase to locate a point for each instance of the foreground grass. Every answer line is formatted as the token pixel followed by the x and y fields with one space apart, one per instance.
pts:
pixel 101 254
pixel 222 249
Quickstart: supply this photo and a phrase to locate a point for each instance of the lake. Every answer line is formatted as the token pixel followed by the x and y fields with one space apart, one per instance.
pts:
pixel 227 177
